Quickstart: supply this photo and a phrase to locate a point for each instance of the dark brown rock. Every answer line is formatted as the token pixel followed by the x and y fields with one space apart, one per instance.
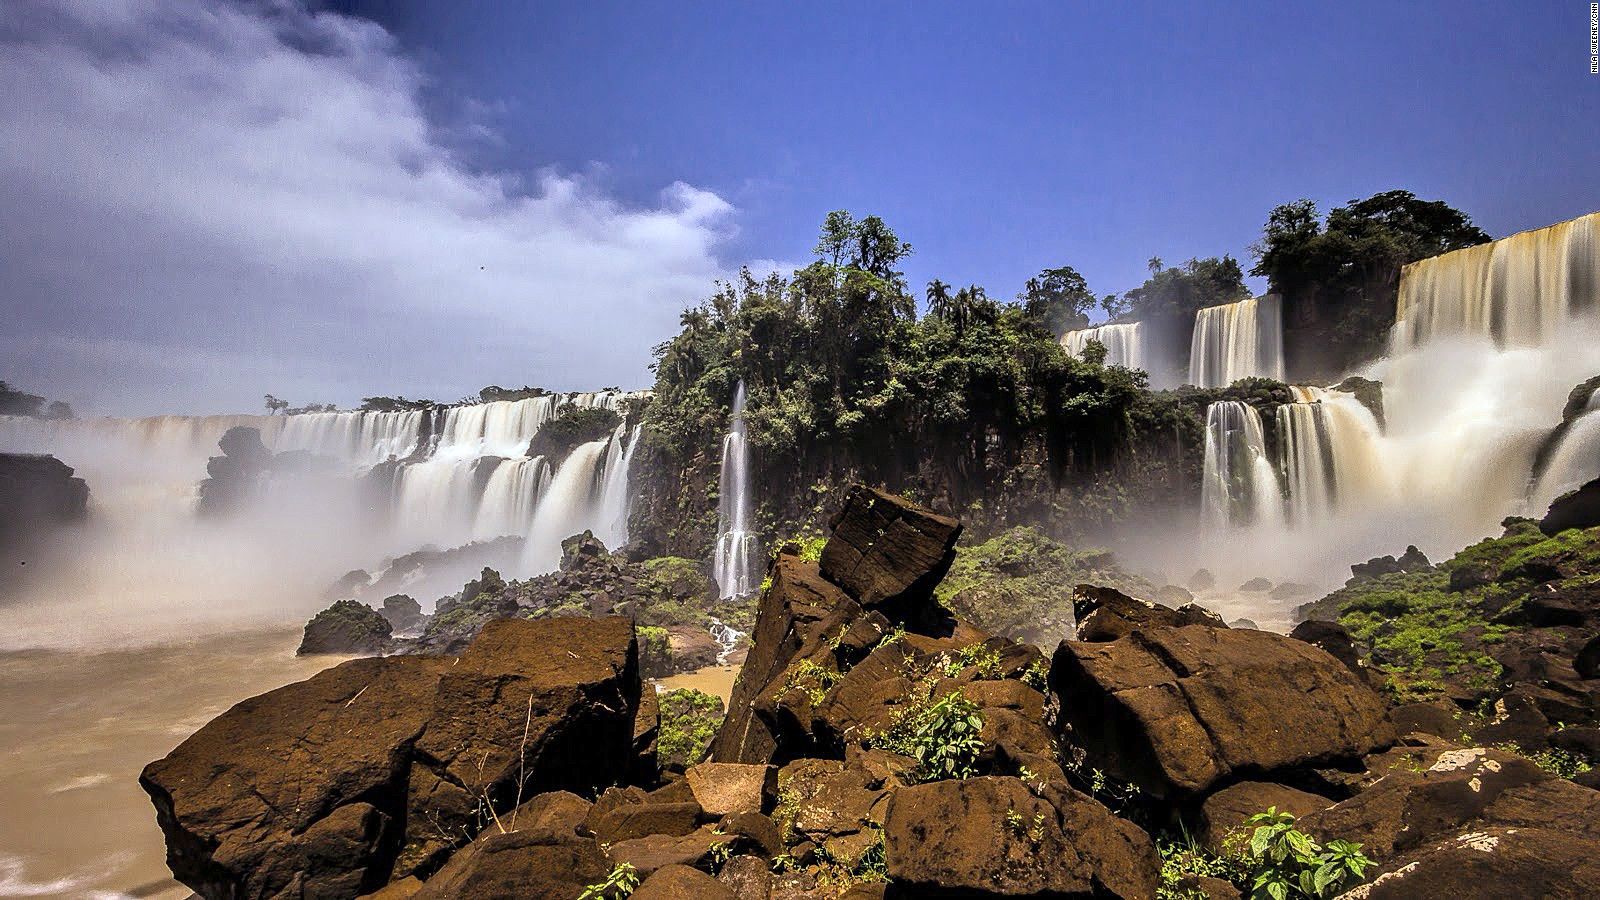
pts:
pixel 346 627
pixel 993 837
pixel 1105 614
pixel 725 788
pixel 1494 862
pixel 1575 509
pixel 1225 812
pixel 748 876
pixel 677 882
pixel 1175 710
pixel 888 552
pixel 647 854
pixel 530 864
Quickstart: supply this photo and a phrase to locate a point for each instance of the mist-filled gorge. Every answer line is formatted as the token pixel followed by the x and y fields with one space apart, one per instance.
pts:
pixel 992 453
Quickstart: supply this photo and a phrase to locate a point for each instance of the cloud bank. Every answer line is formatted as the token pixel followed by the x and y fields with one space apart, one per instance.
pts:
pixel 207 203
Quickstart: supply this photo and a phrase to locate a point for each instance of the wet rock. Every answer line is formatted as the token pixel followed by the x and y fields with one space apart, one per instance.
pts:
pixel 887 552
pixel 38 493
pixel 1202 580
pixel 1256 585
pixel 346 627
pixel 677 882
pixel 1290 590
pixel 993 837
pixel 1333 639
pixel 1175 710
pixel 1575 509
pixel 1368 393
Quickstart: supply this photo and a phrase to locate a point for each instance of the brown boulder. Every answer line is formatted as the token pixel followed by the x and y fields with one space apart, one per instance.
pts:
pixel 832 804
pixel 748 876
pixel 1105 614
pixel 1494 862
pixel 1175 710
pixel 1225 812
pixel 531 864
pixel 379 767
pixel 888 552
pixel 725 788
pixel 1578 508
pixel 656 851
pixel 681 883
pixel 993 837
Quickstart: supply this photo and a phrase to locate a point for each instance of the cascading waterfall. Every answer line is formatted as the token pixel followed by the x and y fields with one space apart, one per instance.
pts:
pixel 734 562
pixel 1124 343
pixel 1237 340
pixel 1330 453
pixel 1575 460
pixel 1240 484
pixel 1516 291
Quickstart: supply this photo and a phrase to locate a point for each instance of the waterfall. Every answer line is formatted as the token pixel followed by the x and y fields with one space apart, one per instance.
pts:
pixel 568 507
pixel 1239 485
pixel 734 562
pixel 1330 453
pixel 510 497
pixel 1237 340
pixel 1574 461
pixel 1124 344
pixel 1519 290
pixel 613 515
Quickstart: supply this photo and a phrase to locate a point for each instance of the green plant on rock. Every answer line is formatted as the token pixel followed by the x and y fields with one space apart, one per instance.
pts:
pixel 622 882
pixel 1558 762
pixel 689 720
pixel 813 680
pixel 1285 862
pixel 942 736
pixel 1184 861
pixel 978 656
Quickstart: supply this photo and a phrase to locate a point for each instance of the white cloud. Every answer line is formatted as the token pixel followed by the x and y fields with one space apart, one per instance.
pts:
pixel 209 202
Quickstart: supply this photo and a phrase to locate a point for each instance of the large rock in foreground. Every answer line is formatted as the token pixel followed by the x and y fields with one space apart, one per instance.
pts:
pixel 887 552
pixel 993 837
pixel 380 767
pixel 1176 710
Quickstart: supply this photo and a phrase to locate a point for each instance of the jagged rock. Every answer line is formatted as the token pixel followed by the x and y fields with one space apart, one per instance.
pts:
pixel 1587 662
pixel 527 864
pixel 38 493
pixel 1225 812
pixel 726 788
pixel 1105 614
pixel 346 627
pixel 559 811
pixel 678 882
pixel 1441 719
pixel 993 837
pixel 378 767
pixel 1332 638
pixel 657 851
pixel 887 552
pixel 1202 580
pixel 748 876
pixel 833 805
pixel 1175 710
pixel 1413 560
pixel 1256 585
pixel 457 620
pixel 692 648
pixel 1575 509
pixel 402 612
pixel 1493 862
pixel 1172 595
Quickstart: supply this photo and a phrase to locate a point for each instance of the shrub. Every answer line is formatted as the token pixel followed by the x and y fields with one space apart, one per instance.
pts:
pixel 941 735
pixel 622 882
pixel 1285 862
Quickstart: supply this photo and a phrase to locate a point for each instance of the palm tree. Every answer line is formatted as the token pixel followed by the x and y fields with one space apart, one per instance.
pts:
pixel 938 299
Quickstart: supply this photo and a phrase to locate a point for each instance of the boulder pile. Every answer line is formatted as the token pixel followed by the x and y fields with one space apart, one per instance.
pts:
pixel 876 746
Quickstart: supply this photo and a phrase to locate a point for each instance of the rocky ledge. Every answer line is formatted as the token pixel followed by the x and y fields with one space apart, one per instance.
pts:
pixel 876 746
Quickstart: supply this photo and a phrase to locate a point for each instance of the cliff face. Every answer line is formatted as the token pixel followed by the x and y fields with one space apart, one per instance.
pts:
pixel 37 494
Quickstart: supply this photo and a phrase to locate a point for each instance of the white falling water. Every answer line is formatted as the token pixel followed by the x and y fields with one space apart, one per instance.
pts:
pixel 1520 290
pixel 1237 340
pixel 1124 344
pixel 1331 453
pixel 734 561
pixel 568 507
pixel 1240 483
pixel 1574 461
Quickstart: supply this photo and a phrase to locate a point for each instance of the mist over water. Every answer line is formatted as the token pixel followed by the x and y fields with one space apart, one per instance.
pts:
pixel 145 569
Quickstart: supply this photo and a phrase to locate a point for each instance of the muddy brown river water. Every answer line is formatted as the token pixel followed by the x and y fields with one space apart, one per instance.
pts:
pixel 75 730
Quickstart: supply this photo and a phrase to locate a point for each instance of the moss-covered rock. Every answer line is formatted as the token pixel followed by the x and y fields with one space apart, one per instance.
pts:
pixel 689 720
pixel 346 627
pixel 1019 584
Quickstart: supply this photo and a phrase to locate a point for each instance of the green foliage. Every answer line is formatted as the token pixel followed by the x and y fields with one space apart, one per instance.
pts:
pixel 1285 862
pixel 495 392
pixel 1184 862
pixel 1558 762
pixel 942 735
pixel 1058 300
pixel 689 721
pixel 622 882
pixel 812 680
pixel 673 591
pixel 655 651
pixel 984 660
pixel 571 427
pixel 1175 294
pixel 1018 584
pixel 393 404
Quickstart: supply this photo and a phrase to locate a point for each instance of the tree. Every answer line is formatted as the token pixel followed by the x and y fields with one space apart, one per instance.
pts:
pixel 14 402
pixel 938 295
pixel 1154 264
pixel 1058 300
pixel 274 405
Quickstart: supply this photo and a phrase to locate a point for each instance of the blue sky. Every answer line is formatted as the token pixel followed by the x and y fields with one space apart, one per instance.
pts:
pixel 1001 138
pixel 324 203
